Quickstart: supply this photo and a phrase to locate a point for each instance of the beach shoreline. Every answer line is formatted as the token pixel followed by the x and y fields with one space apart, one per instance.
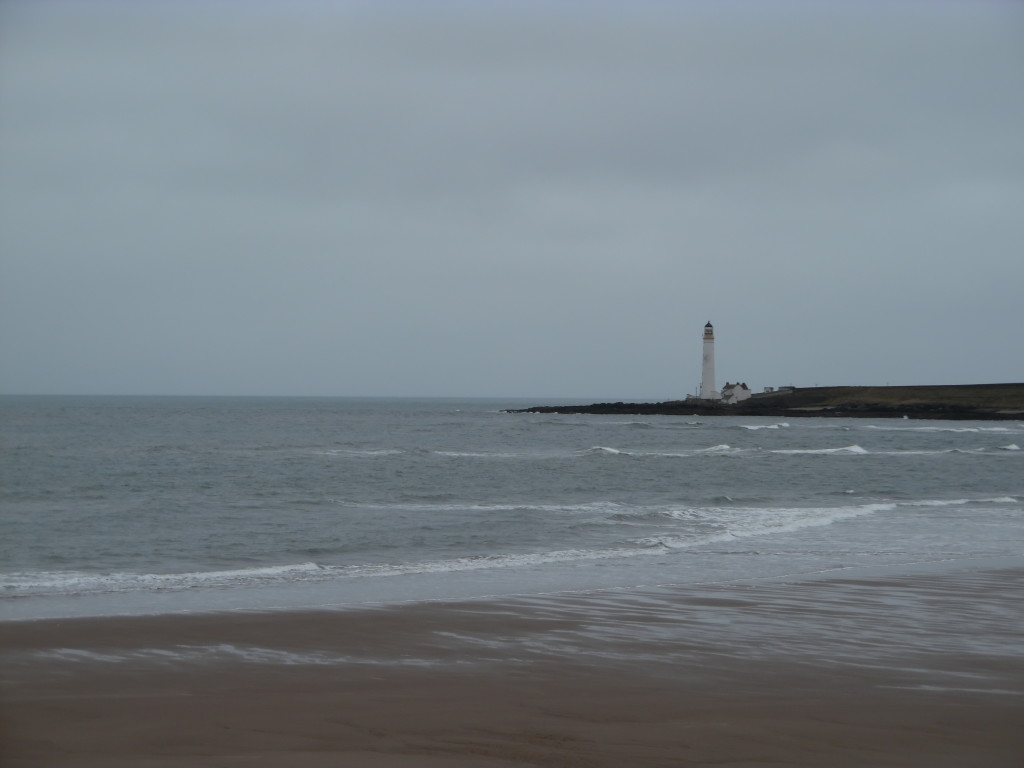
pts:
pixel 782 673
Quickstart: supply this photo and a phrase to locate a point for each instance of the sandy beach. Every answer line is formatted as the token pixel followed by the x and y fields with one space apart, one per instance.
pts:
pixel 916 670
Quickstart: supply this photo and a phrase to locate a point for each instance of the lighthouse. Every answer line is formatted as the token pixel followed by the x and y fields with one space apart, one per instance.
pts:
pixel 707 376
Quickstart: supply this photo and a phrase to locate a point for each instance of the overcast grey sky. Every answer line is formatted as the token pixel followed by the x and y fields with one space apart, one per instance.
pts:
pixel 508 199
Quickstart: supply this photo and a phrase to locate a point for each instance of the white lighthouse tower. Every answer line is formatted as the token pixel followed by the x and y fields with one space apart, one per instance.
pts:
pixel 707 376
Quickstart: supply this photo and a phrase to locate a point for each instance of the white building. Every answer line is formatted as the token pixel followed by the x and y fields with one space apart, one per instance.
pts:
pixel 735 393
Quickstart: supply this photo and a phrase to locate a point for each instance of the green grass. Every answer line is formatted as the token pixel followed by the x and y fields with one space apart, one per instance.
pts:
pixel 986 397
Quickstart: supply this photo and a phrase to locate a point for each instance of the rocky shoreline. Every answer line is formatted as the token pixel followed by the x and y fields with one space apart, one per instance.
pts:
pixel 981 402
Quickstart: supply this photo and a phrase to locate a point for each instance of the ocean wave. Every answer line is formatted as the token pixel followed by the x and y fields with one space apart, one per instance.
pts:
pixel 670 527
pixel 739 522
pixel 714 450
pixel 365 453
pixel 483 455
pixel 887 428
pixel 780 425
pixel 723 448
pixel 603 450
pixel 584 508
pixel 749 522
pixel 934 452
pixel 77 584
pixel 845 450
pixel 983 451
pixel 222 651
pixel 729 450
pixel 957 502
pixel 80 582
pixel 937 452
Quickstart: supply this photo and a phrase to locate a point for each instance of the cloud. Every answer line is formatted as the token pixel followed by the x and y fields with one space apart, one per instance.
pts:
pixel 456 199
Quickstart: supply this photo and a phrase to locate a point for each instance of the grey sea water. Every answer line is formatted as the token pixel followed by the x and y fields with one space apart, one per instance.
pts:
pixel 150 505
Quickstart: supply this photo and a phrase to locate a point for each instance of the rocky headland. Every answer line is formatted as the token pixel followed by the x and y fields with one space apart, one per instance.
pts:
pixel 964 402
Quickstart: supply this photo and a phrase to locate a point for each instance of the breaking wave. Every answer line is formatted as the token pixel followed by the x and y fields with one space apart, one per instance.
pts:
pixel 849 449
pixel 886 428
pixel 674 527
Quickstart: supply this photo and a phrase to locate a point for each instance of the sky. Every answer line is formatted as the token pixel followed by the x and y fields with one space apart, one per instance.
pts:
pixel 508 199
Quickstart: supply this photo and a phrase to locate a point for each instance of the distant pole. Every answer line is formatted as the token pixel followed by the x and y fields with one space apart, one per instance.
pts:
pixel 707 379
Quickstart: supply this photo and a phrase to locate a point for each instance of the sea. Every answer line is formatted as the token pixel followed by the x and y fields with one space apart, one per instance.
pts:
pixel 162 505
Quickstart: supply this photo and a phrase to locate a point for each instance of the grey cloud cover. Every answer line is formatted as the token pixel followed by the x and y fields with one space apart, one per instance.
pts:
pixel 507 199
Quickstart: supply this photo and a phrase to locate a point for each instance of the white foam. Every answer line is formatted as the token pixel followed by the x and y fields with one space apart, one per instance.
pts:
pixel 682 527
pixel 480 455
pixel 940 452
pixel 750 522
pixel 715 449
pixel 737 523
pixel 663 455
pixel 957 502
pixel 951 689
pixel 887 428
pixel 488 562
pixel 733 522
pixel 586 507
pixel 845 450
pixel 1011 447
pixel 364 453
pixel 780 425
pixel 221 652
pixel 79 582
pixel 77 654
pixel 256 655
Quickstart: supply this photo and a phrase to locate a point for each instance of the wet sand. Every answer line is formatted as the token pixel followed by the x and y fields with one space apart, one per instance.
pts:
pixel 918 670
